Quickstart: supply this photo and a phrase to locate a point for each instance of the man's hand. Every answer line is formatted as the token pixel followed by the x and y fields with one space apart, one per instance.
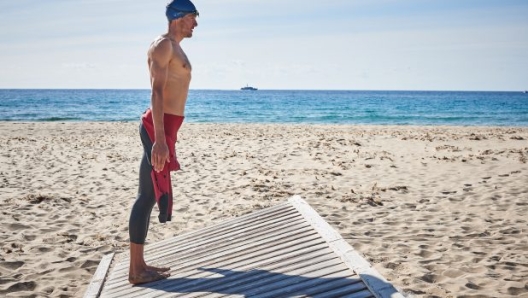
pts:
pixel 159 155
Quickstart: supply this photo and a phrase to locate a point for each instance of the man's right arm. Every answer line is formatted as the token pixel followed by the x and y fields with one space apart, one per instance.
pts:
pixel 160 57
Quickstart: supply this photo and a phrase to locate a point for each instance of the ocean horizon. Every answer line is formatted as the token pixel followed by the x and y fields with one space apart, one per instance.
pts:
pixel 362 107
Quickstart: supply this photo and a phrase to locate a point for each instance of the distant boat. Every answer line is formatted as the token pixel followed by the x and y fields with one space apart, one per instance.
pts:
pixel 248 88
pixel 525 91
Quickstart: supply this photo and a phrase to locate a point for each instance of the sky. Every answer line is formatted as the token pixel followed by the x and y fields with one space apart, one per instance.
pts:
pixel 465 45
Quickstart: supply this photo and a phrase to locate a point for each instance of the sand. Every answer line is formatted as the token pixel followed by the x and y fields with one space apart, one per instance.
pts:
pixel 439 211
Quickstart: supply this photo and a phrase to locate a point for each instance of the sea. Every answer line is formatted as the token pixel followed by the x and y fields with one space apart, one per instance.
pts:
pixel 275 106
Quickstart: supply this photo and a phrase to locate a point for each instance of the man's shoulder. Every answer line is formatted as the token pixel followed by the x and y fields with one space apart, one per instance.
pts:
pixel 160 44
pixel 161 41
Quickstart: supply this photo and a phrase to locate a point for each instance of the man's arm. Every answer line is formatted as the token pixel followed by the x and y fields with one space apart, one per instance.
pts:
pixel 160 57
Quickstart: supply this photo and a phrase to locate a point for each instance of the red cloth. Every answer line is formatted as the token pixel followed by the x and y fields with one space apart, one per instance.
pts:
pixel 162 180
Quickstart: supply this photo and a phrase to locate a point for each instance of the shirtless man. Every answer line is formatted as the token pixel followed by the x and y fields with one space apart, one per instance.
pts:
pixel 170 76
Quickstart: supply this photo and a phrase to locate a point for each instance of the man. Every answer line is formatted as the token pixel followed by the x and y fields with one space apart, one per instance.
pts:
pixel 170 76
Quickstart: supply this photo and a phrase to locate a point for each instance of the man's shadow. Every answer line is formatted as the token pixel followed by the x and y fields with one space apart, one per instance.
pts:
pixel 262 283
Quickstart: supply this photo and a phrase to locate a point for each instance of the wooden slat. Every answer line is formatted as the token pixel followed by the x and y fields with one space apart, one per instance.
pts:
pixel 295 260
pixel 283 251
pixel 376 283
pixel 183 265
pixel 267 229
pixel 334 288
pixel 178 260
pixel 245 220
pixel 189 270
pixel 250 289
pixel 277 285
pixel 204 242
pixel 96 285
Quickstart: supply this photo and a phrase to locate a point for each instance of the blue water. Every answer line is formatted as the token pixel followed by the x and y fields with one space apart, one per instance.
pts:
pixel 276 106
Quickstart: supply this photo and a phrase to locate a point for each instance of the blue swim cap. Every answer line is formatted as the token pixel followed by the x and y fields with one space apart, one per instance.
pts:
pixel 179 8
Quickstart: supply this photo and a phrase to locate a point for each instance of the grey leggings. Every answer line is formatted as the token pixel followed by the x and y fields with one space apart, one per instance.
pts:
pixel 140 216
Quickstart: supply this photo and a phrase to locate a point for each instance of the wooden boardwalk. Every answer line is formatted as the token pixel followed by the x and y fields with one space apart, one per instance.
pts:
pixel 283 251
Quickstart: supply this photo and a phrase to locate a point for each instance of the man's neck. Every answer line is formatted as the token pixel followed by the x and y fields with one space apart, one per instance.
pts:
pixel 174 36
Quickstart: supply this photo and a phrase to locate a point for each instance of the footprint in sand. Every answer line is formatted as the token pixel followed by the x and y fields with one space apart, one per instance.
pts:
pixel 12 265
pixel 41 249
pixel 425 254
pixel 21 286
pixel 452 273
pixel 473 286
pixel 17 227
pixel 449 192
pixel 432 278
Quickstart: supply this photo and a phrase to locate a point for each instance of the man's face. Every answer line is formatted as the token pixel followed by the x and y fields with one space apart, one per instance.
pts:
pixel 188 24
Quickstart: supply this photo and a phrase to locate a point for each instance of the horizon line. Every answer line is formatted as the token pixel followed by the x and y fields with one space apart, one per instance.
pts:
pixel 206 89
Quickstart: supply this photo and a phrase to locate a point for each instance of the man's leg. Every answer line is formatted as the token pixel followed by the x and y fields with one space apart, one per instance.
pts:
pixel 139 271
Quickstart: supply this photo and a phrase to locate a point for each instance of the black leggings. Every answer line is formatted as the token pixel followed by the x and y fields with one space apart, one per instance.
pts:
pixel 145 201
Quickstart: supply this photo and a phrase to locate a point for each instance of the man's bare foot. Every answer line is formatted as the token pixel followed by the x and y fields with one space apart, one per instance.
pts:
pixel 147 276
pixel 158 269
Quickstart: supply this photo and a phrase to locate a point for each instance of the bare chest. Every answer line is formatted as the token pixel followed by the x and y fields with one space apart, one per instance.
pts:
pixel 180 62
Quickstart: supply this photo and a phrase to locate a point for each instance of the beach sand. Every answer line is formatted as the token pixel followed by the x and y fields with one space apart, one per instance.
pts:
pixel 438 211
